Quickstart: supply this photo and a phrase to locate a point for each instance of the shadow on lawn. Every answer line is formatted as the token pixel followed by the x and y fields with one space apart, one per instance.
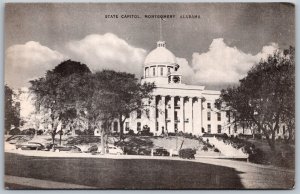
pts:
pixel 124 173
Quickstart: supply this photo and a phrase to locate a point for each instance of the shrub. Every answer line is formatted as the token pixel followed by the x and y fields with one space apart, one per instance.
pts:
pixel 145 133
pixel 40 132
pixel 207 135
pixel 187 153
pixel 244 136
pixel 257 136
pixel 171 134
pixel 78 132
pixel 216 150
pixel 205 148
pixel 29 131
pixel 257 156
pixel 15 131
pixel 131 132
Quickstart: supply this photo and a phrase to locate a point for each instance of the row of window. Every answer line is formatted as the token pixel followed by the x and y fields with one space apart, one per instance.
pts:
pixel 218 106
pixel 209 128
pixel 209 116
pixel 139 114
pixel 283 130
pixel 154 71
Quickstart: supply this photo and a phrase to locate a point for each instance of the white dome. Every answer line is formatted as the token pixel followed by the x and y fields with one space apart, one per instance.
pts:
pixel 160 55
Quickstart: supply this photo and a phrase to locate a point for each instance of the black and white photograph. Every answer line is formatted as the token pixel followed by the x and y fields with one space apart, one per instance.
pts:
pixel 140 96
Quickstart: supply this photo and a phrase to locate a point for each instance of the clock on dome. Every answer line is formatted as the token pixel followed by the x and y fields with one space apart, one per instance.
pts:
pixel 176 79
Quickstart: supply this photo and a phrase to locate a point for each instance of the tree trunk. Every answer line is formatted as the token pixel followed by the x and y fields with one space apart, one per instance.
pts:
pixel 102 142
pixel 290 130
pixel 273 140
pixel 60 133
pixel 53 137
pixel 121 127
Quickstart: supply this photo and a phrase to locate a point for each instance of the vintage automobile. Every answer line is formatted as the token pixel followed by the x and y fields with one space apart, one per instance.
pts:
pixel 111 149
pixel 61 148
pixel 161 152
pixel 30 146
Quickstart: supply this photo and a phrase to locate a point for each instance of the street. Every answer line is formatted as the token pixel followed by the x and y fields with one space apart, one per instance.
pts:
pixel 139 173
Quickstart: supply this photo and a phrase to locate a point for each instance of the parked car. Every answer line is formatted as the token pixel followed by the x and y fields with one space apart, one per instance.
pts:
pixel 15 139
pixel 111 149
pixel 161 152
pixel 30 146
pixel 144 151
pixel 60 148
pixel 187 153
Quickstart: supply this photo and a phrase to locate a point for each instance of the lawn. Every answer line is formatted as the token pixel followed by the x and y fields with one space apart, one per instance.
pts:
pixel 106 173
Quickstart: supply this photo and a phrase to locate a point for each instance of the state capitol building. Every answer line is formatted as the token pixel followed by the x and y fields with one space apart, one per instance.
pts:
pixel 175 106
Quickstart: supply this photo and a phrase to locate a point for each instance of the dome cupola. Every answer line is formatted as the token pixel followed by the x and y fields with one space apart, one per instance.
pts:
pixel 160 64
pixel 160 55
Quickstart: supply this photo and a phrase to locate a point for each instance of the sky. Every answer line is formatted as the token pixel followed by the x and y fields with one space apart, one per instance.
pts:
pixel 216 49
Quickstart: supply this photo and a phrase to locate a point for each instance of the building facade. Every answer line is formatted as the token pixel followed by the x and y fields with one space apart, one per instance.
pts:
pixel 175 106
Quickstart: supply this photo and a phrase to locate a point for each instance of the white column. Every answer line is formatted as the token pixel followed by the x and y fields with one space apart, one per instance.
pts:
pixel 152 115
pixel 189 114
pixel 171 115
pixel 162 114
pixel 181 115
pixel 197 116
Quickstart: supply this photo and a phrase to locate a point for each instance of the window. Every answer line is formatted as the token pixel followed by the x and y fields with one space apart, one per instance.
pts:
pixel 218 105
pixel 147 72
pixel 153 71
pixel 208 128
pixel 176 116
pixel 219 116
pixel 127 116
pixel 138 126
pixel 169 69
pixel 166 113
pixel 157 113
pixel 228 130
pixel 157 126
pixel 115 126
pixel 126 126
pixel 228 115
pixel 235 128
pixel 139 114
pixel 219 128
pixel 208 105
pixel 208 116
pixel 283 129
pixel 161 71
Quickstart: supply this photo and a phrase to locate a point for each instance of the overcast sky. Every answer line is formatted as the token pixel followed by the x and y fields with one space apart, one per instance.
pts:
pixel 216 50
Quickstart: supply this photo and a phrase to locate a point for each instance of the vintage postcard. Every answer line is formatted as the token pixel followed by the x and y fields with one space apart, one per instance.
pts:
pixel 149 96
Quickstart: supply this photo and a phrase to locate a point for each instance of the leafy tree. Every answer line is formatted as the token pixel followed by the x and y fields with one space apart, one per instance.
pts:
pixel 266 96
pixel 114 95
pixel 60 92
pixel 12 110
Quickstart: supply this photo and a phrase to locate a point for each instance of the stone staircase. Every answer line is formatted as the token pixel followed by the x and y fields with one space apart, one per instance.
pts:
pixel 226 149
